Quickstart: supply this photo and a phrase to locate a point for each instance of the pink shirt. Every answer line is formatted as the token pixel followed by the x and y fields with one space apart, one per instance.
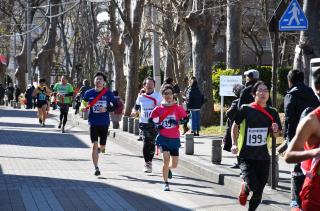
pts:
pixel 169 130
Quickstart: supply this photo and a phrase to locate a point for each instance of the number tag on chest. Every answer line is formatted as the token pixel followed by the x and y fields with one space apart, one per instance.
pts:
pixel 257 136
pixel 42 96
pixel 166 124
pixel 98 105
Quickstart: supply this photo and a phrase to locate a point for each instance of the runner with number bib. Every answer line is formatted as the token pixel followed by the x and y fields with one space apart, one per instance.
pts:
pixel 167 117
pixel 257 122
pixel 146 102
pixel 41 94
pixel 100 101
pixel 63 92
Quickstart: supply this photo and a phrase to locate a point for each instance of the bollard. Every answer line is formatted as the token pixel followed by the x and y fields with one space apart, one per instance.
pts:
pixel 189 144
pixel 216 152
pixel 136 127
pixel 6 102
pixel 11 103
pixel 125 123
pixel 277 172
pixel 130 124
pixel 19 105
pixel 15 105
pixel 85 115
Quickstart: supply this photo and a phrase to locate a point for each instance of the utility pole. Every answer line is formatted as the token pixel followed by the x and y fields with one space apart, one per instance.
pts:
pixel 14 57
pixel 155 50
pixel 29 42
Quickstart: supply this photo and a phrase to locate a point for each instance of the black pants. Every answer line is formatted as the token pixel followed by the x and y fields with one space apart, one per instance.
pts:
pixel 297 180
pixel 149 134
pixel 255 174
pixel 64 109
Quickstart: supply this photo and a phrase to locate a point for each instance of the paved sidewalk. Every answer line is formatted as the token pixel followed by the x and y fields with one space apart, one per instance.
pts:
pixel 200 163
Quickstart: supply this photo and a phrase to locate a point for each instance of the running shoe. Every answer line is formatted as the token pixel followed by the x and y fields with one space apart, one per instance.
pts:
pixel 59 126
pixel 97 172
pixel 103 150
pixel 147 167
pixel 166 187
pixel 170 174
pixel 40 121
pixel 43 124
pixel 243 195
pixel 62 129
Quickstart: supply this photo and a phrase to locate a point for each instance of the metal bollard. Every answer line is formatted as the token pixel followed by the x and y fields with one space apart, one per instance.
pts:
pixel 125 123
pixel 19 105
pixel 189 144
pixel 216 152
pixel 85 115
pixel 130 124
pixel 136 127
pixel 277 172
pixel 15 104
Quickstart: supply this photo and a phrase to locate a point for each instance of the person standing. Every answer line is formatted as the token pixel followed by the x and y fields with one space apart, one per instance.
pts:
pixel 298 98
pixel 170 115
pixel 10 92
pixel 63 91
pixel 2 92
pixel 194 103
pixel 100 101
pixel 257 122
pixel 28 96
pixel 252 76
pixel 116 115
pixel 305 148
pixel 85 87
pixel 41 93
pixel 146 102
pixel 17 93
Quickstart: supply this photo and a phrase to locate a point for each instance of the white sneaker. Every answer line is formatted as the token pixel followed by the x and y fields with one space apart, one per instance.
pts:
pixel 147 167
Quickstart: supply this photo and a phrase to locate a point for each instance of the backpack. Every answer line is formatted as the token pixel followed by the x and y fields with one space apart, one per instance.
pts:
pixel 120 107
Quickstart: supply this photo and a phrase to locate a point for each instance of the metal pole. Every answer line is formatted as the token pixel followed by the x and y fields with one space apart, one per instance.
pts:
pixel 14 57
pixel 221 113
pixel 274 102
pixel 156 50
pixel 29 42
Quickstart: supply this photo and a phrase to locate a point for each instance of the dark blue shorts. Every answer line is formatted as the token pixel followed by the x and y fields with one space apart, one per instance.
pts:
pixel 168 144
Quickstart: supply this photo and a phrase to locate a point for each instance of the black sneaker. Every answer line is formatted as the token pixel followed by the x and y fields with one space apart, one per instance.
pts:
pixel 97 172
pixel 43 124
pixel 40 121
pixel 62 129
pixel 166 187
pixel 59 126
pixel 170 174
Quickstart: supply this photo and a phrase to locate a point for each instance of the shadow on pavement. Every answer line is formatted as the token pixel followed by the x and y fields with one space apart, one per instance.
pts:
pixel 18 113
pixel 37 139
pixel 9 124
pixel 45 193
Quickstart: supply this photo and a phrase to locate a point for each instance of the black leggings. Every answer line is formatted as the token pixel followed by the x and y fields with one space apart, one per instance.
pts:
pixel 149 134
pixel 64 109
pixel 255 174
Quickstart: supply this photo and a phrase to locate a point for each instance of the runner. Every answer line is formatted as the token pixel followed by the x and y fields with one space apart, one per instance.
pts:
pixel 305 146
pixel 146 102
pixel 63 92
pixel 257 122
pixel 101 102
pixel 41 94
pixel 169 115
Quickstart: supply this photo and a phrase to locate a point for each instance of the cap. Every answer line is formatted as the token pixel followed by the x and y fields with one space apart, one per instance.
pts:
pixel 252 73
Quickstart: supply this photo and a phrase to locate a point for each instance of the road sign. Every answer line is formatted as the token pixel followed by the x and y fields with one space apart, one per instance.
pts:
pixel 293 19
pixel 227 83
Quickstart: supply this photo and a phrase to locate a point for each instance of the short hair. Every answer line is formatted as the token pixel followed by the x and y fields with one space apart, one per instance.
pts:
pixel 101 74
pixel 194 81
pixel 257 84
pixel 42 80
pixel 295 76
pixel 166 87
pixel 85 82
pixel 316 78
pixel 148 78
pixel 168 80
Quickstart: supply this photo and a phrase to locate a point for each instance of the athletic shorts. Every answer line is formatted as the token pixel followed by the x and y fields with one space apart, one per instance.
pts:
pixel 41 103
pixel 170 145
pixel 99 131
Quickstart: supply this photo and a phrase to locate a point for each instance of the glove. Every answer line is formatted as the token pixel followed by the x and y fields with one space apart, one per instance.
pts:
pixel 172 122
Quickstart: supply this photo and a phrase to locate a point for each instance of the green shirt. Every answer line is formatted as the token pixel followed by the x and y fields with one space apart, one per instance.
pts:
pixel 63 90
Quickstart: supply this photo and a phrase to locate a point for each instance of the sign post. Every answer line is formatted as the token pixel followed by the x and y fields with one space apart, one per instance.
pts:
pixel 293 19
pixel 226 89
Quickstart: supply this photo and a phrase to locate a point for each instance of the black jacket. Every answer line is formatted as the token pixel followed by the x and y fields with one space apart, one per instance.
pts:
pixel 298 98
pixel 245 95
pixel 195 98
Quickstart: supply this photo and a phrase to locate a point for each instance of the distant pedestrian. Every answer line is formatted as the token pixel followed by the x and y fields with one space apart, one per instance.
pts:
pixel 231 114
pixel 297 99
pixel 116 115
pixel 17 92
pixel 100 101
pixel 28 96
pixel 252 76
pixel 85 87
pixel 252 129
pixel 146 102
pixel 170 115
pixel 175 86
pixel 305 148
pixel 10 92
pixel 195 101
pixel 2 93
pixel 63 92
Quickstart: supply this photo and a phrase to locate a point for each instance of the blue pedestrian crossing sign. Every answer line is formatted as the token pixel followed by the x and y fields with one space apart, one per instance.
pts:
pixel 293 19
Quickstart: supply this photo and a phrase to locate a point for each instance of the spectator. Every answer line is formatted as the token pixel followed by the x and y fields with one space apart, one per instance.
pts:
pixel 28 96
pixel 116 115
pixel 297 99
pixel 245 96
pixel 195 101
pixel 85 87
pixel 17 93
pixel 2 92
pixel 10 92
pixel 175 86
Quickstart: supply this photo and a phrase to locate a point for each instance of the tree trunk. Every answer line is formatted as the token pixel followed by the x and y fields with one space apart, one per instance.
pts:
pixel 200 26
pixel 21 70
pixel 169 66
pixel 45 56
pixel 310 39
pixel 233 34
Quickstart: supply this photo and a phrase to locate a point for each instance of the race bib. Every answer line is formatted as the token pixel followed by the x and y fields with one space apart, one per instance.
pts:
pixel 147 113
pixel 257 136
pixel 98 105
pixel 42 96
pixel 165 123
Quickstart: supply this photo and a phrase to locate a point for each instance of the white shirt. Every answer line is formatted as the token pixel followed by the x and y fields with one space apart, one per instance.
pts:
pixel 147 105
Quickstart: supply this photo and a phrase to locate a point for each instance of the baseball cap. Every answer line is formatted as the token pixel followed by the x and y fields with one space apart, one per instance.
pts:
pixel 252 73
